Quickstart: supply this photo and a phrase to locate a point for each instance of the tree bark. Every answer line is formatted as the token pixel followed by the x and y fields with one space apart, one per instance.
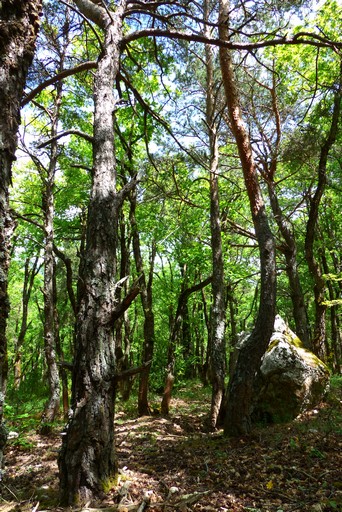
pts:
pixel 87 461
pixel 240 392
pixel 51 408
pixel 218 313
pixel 19 23
pixel 318 341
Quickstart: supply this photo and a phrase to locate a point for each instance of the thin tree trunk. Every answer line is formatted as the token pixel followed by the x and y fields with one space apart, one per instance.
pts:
pixel 233 327
pixel 19 23
pixel 333 352
pixel 206 362
pixel 289 249
pixel 30 274
pixel 318 342
pixel 59 350
pixel 147 305
pixel 69 277
pixel 218 314
pixel 290 252
pixel 87 461
pixel 52 406
pixel 240 393
pixel 175 334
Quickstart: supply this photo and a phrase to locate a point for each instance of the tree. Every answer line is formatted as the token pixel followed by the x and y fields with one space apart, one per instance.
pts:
pixel 267 122
pixel 239 400
pixel 319 338
pixel 19 23
pixel 87 461
pixel 218 313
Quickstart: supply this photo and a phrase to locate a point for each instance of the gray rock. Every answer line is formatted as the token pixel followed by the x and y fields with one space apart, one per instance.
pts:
pixel 291 378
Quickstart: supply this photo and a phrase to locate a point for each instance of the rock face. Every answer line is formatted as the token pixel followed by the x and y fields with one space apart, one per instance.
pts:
pixel 291 379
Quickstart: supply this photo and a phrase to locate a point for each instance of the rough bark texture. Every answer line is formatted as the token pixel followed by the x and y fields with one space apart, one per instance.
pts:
pixel 88 462
pixel 218 314
pixel 19 22
pixel 238 415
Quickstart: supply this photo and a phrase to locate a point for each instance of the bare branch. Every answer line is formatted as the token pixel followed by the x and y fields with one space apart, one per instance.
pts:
pixel 126 302
pixel 132 371
pixel 306 38
pixel 84 135
pixel 60 76
pixel 26 218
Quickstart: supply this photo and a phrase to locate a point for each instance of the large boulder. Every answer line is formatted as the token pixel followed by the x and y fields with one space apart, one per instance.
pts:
pixel 291 378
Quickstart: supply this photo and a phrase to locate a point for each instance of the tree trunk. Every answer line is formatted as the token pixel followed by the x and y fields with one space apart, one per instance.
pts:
pixel 290 252
pixel 333 352
pixel 69 277
pixel 171 359
pixel 218 314
pixel 318 342
pixel 87 461
pixel 123 331
pixel 204 371
pixel 240 393
pixel 147 305
pixel 233 328
pixel 52 406
pixel 59 350
pixel 19 23
pixel 30 274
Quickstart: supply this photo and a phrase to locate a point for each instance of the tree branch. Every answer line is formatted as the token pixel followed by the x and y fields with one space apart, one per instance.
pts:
pixel 60 76
pixel 132 371
pixel 84 135
pixel 125 303
pixel 17 215
pixel 67 263
pixel 300 38
pixel 94 12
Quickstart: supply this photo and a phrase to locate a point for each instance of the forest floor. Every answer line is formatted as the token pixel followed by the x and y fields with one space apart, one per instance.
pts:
pixel 171 464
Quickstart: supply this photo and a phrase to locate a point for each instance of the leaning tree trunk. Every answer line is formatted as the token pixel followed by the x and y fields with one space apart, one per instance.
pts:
pixel 218 314
pixel 315 269
pixel 19 23
pixel 87 461
pixel 290 252
pixel 240 393
pixel 289 248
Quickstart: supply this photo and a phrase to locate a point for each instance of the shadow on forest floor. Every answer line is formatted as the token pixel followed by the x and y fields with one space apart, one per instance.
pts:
pixel 171 464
